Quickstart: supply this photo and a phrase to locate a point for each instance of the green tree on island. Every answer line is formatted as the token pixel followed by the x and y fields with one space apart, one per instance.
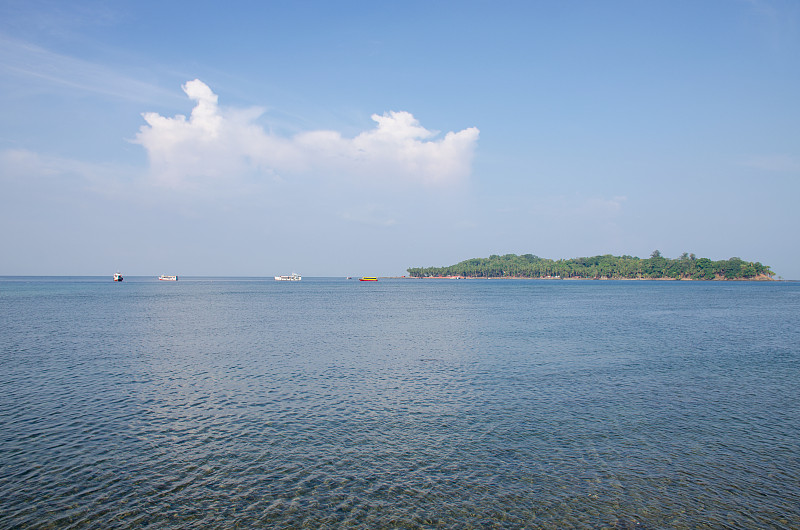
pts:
pixel 686 267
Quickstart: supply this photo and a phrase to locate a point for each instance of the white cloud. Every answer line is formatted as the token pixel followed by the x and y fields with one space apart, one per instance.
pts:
pixel 216 143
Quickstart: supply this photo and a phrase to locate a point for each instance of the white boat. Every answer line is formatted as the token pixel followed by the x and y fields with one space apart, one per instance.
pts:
pixel 165 278
pixel 293 278
pixel 118 277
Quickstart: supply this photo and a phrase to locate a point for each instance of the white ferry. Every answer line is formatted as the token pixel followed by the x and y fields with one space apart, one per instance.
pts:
pixel 118 277
pixel 166 278
pixel 293 278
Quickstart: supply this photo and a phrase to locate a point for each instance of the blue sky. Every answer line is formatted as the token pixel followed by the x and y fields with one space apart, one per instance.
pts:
pixel 362 138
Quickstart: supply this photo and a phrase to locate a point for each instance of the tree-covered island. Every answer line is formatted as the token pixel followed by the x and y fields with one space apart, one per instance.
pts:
pixel 685 267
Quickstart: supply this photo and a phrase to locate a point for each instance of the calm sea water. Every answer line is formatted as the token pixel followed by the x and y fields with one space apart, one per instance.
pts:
pixel 398 404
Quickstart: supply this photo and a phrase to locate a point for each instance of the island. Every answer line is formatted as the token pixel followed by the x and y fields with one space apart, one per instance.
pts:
pixel 607 267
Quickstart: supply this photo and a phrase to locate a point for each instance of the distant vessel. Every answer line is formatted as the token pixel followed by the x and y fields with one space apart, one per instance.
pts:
pixel 293 278
pixel 118 277
pixel 368 279
pixel 166 278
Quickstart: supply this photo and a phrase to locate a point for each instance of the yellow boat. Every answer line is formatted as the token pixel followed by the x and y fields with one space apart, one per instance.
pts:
pixel 367 279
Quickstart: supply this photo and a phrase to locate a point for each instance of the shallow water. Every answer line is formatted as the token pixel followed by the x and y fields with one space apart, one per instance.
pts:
pixel 402 403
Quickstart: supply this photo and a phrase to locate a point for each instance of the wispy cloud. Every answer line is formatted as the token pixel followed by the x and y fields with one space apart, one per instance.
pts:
pixel 37 171
pixel 602 207
pixel 569 207
pixel 370 215
pixel 215 143
pixel 777 22
pixel 775 163
pixel 33 63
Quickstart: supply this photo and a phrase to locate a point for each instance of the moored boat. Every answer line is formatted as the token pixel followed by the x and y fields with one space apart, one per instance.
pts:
pixel 165 278
pixel 294 277
pixel 368 279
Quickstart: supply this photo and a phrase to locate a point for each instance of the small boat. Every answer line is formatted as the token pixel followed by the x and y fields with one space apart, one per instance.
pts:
pixel 293 278
pixel 368 279
pixel 118 277
pixel 165 278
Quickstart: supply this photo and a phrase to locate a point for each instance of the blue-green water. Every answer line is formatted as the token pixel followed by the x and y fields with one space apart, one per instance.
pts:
pixel 398 404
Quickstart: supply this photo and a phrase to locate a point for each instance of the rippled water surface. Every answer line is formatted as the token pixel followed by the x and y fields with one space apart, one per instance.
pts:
pixel 402 404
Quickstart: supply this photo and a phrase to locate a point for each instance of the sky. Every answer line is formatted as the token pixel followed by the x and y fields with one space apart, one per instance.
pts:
pixel 362 138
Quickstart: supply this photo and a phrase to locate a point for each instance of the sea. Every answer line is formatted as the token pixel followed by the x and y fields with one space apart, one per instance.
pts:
pixel 401 403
